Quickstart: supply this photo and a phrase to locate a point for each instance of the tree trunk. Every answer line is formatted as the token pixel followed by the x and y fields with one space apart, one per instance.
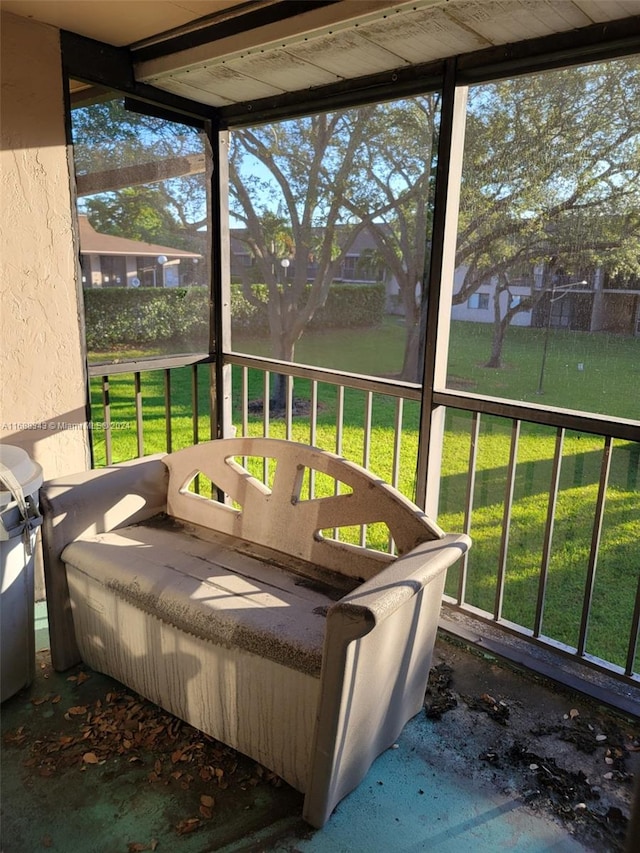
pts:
pixel 283 350
pixel 412 367
pixel 278 399
pixel 499 328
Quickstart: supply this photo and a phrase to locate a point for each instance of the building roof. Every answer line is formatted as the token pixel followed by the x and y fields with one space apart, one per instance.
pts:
pixel 92 242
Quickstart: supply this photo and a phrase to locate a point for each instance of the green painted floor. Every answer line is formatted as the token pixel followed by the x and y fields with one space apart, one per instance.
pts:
pixel 87 767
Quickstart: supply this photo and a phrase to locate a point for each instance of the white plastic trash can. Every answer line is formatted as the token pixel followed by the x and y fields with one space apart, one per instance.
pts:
pixel 20 480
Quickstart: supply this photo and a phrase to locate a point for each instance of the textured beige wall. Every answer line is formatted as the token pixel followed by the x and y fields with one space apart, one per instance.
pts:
pixel 42 387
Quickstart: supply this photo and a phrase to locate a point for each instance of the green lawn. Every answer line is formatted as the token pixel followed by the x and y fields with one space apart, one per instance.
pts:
pixel 379 351
pixel 586 371
pixel 594 372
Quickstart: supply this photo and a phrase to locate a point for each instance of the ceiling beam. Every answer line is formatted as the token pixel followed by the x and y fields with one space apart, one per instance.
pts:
pixel 101 64
pixel 232 22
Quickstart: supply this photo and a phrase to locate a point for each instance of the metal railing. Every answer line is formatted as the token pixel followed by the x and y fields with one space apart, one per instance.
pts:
pixel 366 418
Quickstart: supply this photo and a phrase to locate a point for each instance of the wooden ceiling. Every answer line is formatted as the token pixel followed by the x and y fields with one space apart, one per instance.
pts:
pixel 321 47
pixel 223 52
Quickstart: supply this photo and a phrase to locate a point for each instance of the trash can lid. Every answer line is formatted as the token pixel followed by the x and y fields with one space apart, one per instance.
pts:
pixel 26 471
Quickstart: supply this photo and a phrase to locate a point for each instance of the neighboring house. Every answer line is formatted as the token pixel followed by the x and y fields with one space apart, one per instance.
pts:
pixel 359 266
pixel 109 261
pixel 599 303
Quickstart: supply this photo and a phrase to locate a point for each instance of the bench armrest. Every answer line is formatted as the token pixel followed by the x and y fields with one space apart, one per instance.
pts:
pixel 392 587
pixel 86 504
pixel 377 655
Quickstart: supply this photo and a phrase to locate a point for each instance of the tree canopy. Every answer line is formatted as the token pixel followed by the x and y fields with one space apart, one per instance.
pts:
pixel 551 178
pixel 550 185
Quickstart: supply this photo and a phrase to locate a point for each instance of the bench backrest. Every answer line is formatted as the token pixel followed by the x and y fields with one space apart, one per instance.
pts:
pixel 281 516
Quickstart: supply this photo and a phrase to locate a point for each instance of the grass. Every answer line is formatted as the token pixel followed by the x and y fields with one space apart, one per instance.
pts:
pixel 585 371
pixel 610 391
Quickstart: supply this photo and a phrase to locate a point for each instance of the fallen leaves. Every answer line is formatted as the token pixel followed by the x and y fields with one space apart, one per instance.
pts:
pixel 497 709
pixel 123 726
pixel 439 697
pixel 190 824
pixel 136 847
pixel 206 806
pixel 77 711
pixel 80 678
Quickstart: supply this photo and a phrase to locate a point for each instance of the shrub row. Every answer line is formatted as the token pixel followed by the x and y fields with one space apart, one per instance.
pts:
pixel 116 316
pixel 127 317
pixel 347 305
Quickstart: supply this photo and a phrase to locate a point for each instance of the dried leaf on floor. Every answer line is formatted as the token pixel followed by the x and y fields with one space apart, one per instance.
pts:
pixel 190 824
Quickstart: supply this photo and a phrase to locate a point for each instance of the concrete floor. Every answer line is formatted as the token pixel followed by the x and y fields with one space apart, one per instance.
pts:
pixel 89 768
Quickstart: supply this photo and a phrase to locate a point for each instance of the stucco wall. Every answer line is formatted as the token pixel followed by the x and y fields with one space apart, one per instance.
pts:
pixel 42 392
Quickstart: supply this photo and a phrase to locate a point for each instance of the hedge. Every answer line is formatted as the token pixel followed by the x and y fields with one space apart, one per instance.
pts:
pixel 116 316
pixel 132 317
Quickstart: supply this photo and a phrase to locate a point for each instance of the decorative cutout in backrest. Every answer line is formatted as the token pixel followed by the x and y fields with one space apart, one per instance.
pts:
pixel 280 516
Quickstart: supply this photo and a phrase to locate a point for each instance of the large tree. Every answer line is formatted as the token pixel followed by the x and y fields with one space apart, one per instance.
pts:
pixel 330 177
pixel 551 179
pixel 294 186
pixel 550 183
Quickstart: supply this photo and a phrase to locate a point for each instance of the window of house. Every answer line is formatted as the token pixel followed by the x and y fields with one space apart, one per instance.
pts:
pixel 479 301
pixel 113 270
pixel 349 268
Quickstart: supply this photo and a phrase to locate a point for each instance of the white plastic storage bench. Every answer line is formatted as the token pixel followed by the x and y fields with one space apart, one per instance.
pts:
pixel 246 618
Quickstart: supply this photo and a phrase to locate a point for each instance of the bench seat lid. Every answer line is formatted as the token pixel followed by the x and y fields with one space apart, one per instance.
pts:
pixel 207 588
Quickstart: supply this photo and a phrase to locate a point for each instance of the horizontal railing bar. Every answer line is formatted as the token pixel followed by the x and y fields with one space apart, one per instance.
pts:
pixel 408 390
pixel 145 364
pixel 621 428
